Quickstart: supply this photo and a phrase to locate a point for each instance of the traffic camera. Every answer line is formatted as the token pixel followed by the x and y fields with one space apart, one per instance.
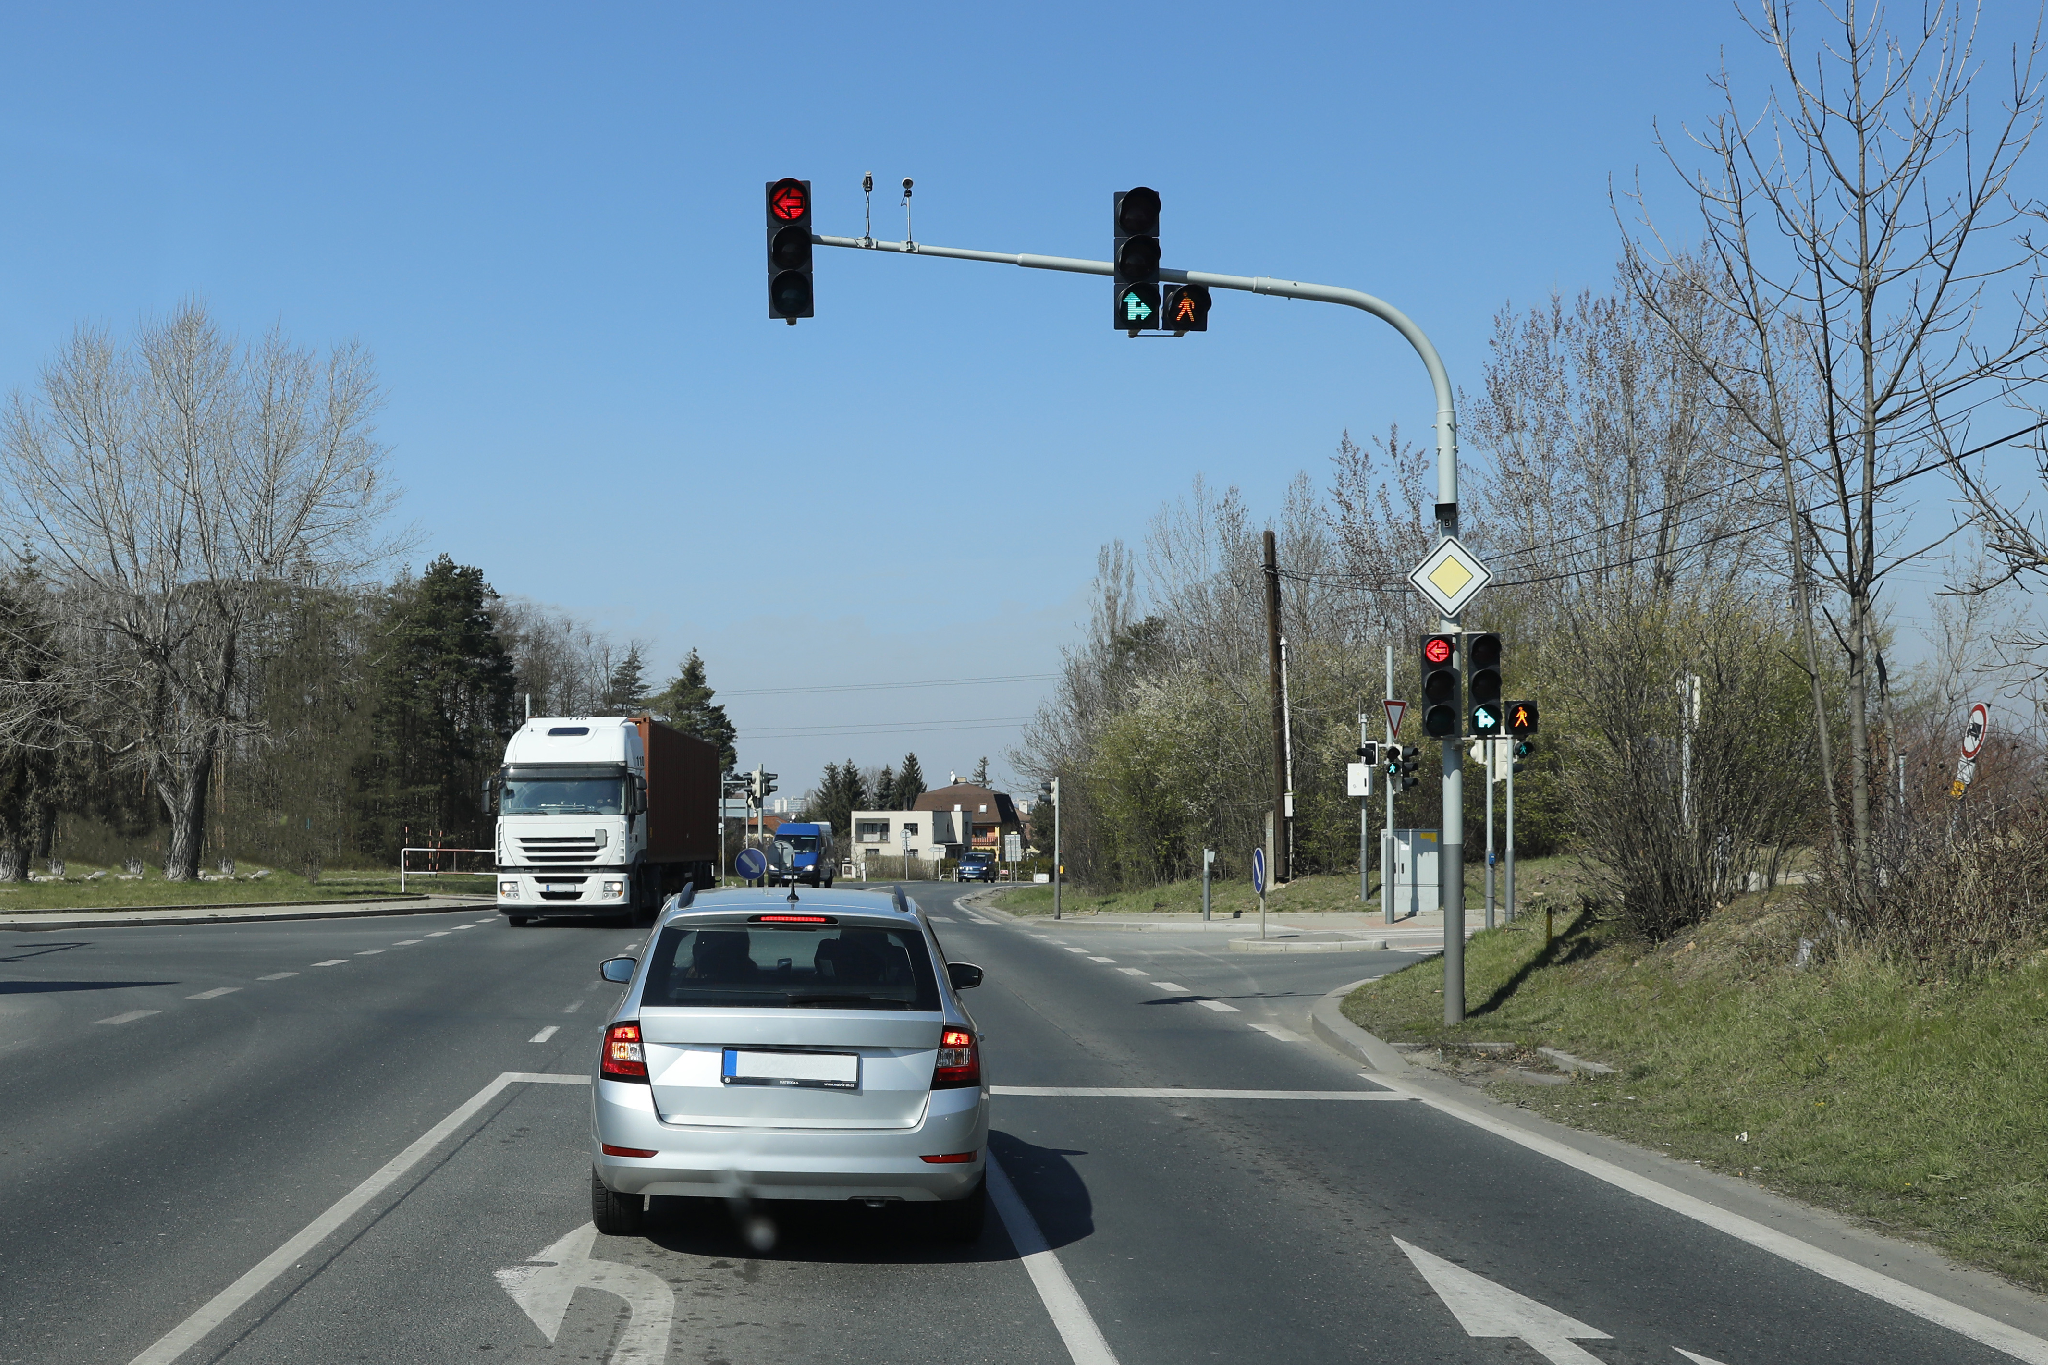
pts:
pixel 1440 686
pixel 789 250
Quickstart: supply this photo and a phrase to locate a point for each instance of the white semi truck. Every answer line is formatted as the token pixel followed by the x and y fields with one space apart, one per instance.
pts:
pixel 602 817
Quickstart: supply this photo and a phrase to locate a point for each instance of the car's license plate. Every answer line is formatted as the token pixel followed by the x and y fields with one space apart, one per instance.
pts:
pixel 831 1070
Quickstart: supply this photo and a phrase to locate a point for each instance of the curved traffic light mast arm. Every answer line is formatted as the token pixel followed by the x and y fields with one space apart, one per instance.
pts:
pixel 1439 378
pixel 1452 836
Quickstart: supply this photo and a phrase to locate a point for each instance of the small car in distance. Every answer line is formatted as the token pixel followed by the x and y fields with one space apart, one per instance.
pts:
pixel 773 1047
pixel 976 867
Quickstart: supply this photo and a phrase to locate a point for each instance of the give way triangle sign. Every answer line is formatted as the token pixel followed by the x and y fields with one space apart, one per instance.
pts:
pixel 1395 710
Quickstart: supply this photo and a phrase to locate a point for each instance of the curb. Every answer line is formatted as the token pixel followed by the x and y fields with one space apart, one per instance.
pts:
pixel 1327 1022
pixel 1287 945
pixel 302 910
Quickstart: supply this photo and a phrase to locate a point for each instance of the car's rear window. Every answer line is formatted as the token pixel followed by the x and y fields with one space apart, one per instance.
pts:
pixel 834 966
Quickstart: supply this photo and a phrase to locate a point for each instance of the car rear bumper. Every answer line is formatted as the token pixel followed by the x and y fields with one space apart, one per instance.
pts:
pixel 789 1163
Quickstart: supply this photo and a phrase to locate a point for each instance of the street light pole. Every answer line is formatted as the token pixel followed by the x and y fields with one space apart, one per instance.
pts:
pixel 1453 805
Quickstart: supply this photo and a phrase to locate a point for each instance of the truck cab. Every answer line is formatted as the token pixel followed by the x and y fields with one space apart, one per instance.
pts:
pixel 807 854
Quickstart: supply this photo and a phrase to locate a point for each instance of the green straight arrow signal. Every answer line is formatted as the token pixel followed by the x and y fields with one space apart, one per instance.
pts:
pixel 1134 307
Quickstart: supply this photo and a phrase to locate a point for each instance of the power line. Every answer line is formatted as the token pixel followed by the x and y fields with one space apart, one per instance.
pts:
pixel 885 687
pixel 887 727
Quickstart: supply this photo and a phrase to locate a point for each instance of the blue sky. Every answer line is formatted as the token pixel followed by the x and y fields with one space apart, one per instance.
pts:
pixel 547 225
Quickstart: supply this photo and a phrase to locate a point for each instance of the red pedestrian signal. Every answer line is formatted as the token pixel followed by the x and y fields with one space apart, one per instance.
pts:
pixel 1185 308
pixel 1522 718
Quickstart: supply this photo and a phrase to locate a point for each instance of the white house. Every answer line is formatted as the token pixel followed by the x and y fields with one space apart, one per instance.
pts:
pixel 924 834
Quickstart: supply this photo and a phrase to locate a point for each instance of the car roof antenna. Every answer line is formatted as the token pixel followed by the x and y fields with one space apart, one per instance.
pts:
pixel 792 893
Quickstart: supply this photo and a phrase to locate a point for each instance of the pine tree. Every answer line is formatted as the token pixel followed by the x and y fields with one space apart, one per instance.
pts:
pixel 836 798
pixel 625 691
pixel 686 701
pixel 884 795
pixel 909 782
pixel 980 777
pixel 443 706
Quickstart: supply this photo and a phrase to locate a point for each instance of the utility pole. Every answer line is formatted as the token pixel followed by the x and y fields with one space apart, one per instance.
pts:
pixel 1486 746
pixel 1513 763
pixel 1364 818
pixel 1393 783
pixel 1276 847
pixel 1059 866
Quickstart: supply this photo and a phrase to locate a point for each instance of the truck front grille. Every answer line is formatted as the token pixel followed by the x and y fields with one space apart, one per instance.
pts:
pixel 556 850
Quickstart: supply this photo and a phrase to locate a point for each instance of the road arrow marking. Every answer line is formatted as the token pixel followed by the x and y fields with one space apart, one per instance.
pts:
pixel 543 1292
pixel 1485 1309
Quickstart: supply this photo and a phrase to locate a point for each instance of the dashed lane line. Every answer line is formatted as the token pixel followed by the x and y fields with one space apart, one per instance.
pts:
pixel 1077 950
pixel 130 1017
pixel 572 1007
pixel 944 919
pixel 1218 1006
pixel 1275 1031
pixel 550 1031
pixel 332 962
pixel 276 976
pixel 1132 971
pixel 369 952
pixel 1170 987
pixel 439 933
pixel 216 993
pixel 1102 959
pixel 407 942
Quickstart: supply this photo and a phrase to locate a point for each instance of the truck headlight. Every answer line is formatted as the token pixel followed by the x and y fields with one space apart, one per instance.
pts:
pixel 615 888
pixel 508 891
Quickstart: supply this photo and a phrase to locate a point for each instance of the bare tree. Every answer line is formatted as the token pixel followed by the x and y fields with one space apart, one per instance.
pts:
pixel 172 487
pixel 1848 235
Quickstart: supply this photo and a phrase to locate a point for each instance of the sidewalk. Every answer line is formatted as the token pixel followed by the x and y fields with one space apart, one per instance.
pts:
pixel 247 913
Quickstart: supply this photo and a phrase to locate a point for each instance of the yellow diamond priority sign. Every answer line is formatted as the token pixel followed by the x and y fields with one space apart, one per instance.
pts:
pixel 1451 576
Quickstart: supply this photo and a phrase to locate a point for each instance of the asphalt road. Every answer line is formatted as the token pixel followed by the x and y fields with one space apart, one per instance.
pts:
pixel 180 1103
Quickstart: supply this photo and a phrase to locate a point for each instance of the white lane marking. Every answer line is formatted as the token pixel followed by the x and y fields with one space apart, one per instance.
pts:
pixel 332 962
pixel 550 1031
pixel 943 919
pixel 216 993
pixel 1218 1006
pixel 1696 1360
pixel 1169 986
pixel 406 942
pixel 1144 1092
pixel 544 1291
pixel 492 920
pixel 1966 1322
pixel 1486 1309
pixel 438 933
pixel 130 1017
pixel 1077 950
pixel 369 952
pixel 1275 1031
pixel 1102 959
pixel 572 1007
pixel 1063 1304
pixel 221 1306
pixel 276 976
pixel 979 920
pixel 466 926
pixel 1132 971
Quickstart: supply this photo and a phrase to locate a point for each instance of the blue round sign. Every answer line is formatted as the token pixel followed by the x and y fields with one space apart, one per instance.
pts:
pixel 1259 870
pixel 751 864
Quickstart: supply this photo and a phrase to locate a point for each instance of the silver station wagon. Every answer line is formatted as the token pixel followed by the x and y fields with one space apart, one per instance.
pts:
pixel 776 1047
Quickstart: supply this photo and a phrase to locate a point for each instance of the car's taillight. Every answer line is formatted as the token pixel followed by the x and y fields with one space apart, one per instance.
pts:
pixel 959 1061
pixel 623 1059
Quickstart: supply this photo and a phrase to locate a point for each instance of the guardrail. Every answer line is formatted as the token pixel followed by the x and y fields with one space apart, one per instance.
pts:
pixel 404 871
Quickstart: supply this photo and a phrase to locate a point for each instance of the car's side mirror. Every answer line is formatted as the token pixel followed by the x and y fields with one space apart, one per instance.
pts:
pixel 619 970
pixel 964 975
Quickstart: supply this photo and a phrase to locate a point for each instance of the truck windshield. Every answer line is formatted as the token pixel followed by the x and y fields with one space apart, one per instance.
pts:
pixel 562 796
pixel 799 843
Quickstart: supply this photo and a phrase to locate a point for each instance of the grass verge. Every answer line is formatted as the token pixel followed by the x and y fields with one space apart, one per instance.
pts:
pixel 1859 1085
pixel 112 891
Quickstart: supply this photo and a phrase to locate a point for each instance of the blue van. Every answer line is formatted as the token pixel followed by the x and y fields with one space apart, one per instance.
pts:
pixel 808 854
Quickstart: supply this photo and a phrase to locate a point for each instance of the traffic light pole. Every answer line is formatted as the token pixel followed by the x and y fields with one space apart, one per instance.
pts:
pixel 1453 845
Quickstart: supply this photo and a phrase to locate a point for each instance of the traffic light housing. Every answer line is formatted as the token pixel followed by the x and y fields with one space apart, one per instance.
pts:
pixel 1135 260
pixel 1411 759
pixel 1370 753
pixel 789 250
pixel 1184 308
pixel 1482 683
pixel 1522 718
pixel 1440 686
pixel 1523 748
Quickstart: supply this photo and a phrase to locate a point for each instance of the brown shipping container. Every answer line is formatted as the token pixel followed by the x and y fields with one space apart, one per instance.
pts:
pixel 682 795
